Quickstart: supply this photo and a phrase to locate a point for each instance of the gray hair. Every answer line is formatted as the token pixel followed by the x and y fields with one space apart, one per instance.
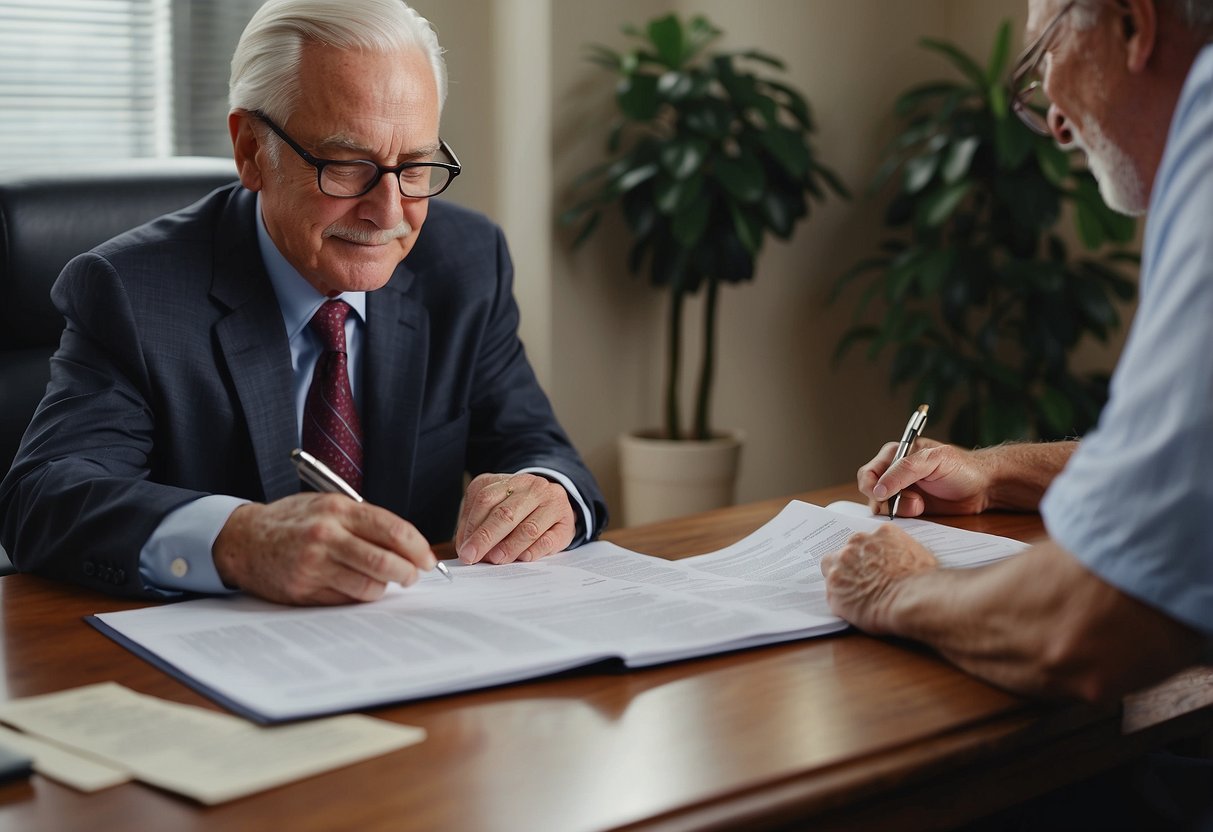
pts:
pixel 265 65
pixel 1196 15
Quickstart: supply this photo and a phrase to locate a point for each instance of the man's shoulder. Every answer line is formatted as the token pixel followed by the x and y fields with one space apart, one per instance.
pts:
pixel 188 227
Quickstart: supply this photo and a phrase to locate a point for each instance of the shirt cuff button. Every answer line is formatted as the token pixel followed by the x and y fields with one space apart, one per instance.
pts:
pixel 179 567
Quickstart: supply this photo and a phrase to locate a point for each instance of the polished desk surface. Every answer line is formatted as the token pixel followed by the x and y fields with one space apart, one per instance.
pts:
pixel 845 729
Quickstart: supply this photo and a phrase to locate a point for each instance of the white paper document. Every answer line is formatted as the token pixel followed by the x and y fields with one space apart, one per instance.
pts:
pixel 497 624
pixel 68 767
pixel 209 756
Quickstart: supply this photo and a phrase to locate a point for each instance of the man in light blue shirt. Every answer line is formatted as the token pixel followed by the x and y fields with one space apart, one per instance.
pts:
pixel 1121 593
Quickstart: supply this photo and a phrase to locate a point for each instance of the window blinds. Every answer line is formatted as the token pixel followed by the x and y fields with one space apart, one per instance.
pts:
pixel 103 79
pixel 84 79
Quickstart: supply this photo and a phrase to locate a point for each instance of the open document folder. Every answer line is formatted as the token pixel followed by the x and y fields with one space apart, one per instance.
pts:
pixel 497 624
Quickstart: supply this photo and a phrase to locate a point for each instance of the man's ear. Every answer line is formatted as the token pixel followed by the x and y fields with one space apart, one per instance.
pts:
pixel 245 145
pixel 1139 19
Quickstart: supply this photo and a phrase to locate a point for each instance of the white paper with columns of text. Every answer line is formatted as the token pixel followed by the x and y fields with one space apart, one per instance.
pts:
pixel 498 624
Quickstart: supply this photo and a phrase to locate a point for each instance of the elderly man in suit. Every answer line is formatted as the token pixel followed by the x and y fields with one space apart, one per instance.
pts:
pixel 304 306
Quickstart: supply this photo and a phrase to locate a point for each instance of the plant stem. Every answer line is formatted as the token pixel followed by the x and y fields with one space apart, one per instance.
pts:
pixel 672 419
pixel 706 370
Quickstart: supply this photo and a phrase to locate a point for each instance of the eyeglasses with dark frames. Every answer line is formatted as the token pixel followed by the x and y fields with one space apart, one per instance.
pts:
pixel 1024 83
pixel 351 178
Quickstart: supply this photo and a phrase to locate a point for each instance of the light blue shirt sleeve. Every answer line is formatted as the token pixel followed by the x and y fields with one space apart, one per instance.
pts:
pixel 1135 502
pixel 177 557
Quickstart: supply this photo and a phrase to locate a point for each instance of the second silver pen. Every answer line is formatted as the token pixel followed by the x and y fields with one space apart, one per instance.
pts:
pixel 918 421
pixel 322 478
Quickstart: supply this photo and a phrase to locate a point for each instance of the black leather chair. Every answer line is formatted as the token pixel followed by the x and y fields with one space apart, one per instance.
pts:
pixel 46 218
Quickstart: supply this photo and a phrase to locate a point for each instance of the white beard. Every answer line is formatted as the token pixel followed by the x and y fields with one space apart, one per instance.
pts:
pixel 1119 184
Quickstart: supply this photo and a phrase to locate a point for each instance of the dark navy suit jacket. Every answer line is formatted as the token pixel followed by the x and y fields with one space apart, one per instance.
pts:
pixel 173 380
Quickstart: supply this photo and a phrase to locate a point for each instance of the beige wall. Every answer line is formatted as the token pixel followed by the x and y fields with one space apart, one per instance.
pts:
pixel 527 112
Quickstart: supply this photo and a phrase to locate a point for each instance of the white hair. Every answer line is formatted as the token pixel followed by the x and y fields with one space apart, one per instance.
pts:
pixel 265 66
pixel 1196 15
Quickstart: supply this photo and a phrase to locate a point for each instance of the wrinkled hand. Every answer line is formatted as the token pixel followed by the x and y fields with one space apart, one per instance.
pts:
pixel 509 517
pixel 318 549
pixel 935 479
pixel 862 578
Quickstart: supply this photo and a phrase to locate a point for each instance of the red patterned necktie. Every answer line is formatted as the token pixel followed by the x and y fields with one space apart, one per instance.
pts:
pixel 331 430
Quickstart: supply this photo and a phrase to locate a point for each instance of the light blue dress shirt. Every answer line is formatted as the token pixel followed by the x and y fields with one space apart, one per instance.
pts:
pixel 177 556
pixel 1135 502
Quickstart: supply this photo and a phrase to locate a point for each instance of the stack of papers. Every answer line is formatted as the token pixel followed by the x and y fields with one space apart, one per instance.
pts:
pixel 498 624
pixel 101 735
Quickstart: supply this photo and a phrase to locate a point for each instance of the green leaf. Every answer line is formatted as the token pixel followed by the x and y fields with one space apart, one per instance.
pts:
pixel 1121 286
pixel 665 33
pixel 1002 421
pixel 917 96
pixel 1054 162
pixel 748 228
pixel 963 62
pixel 851 336
pixel 789 149
pixel 588 228
pixel 793 102
pixel 631 177
pixel 741 177
pixel 1029 198
pixel 1090 230
pixel 672 195
pixel 919 171
pixel 1114 226
pixel 778 212
pixel 690 222
pixel 960 156
pixel 865 265
pixel 637 97
pixel 674 85
pixel 1056 410
pixel 934 271
pixel 936 208
pixel 832 180
pixel 683 157
pixel 1013 141
pixel 604 57
pixel 615 137
pixel 762 57
pixel 698 34
pixel 1094 304
pixel 997 96
pixel 710 119
pixel 998 57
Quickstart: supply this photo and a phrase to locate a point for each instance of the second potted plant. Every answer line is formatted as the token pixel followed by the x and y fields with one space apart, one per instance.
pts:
pixel 708 156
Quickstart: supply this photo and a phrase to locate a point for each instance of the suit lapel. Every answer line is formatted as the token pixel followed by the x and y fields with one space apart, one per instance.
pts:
pixel 252 339
pixel 393 385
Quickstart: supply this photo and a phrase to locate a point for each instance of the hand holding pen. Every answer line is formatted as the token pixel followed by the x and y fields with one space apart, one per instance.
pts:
pixel 914 428
pixel 320 477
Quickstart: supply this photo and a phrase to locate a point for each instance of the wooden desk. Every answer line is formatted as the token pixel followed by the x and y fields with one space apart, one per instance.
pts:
pixel 845 729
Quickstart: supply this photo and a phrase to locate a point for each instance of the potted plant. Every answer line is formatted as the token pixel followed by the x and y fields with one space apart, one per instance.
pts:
pixel 981 303
pixel 707 156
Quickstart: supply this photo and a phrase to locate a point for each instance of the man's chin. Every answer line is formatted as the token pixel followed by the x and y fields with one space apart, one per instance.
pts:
pixel 358 268
pixel 1119 202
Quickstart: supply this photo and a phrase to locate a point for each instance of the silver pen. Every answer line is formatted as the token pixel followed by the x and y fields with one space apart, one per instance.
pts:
pixel 322 478
pixel 918 421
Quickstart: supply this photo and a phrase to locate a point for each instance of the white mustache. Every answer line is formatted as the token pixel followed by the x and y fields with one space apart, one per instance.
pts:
pixel 369 238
